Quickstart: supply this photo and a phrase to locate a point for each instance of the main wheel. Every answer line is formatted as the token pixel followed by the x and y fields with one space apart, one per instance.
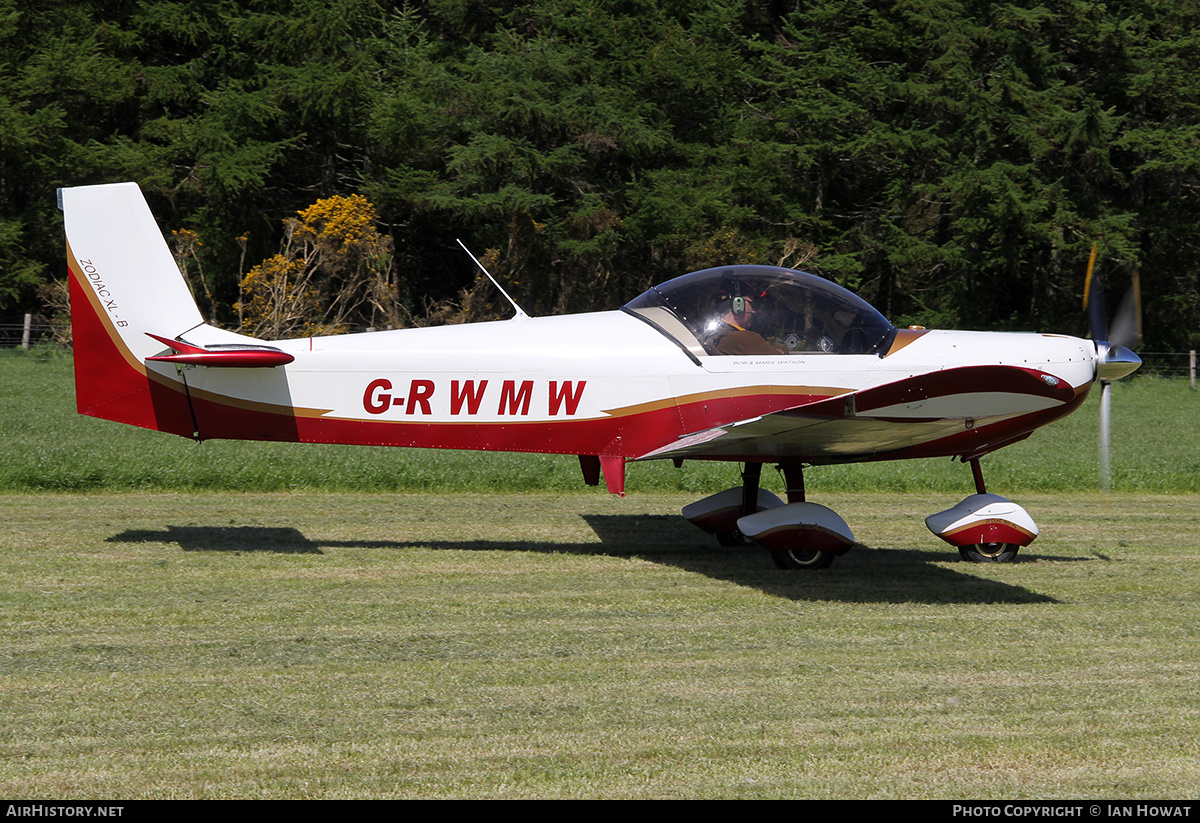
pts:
pixel 989 552
pixel 802 559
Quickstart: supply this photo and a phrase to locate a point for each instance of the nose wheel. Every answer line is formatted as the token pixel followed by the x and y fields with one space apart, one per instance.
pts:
pixel 989 552
pixel 985 528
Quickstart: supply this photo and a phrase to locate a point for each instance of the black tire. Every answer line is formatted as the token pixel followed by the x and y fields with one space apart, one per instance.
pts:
pixel 734 539
pixel 989 552
pixel 802 559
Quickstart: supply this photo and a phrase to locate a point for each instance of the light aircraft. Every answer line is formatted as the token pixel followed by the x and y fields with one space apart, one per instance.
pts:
pixel 753 364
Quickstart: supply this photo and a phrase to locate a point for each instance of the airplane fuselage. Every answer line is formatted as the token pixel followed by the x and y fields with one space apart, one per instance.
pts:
pixel 609 384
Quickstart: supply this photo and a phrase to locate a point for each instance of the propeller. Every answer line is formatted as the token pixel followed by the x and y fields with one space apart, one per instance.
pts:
pixel 1114 358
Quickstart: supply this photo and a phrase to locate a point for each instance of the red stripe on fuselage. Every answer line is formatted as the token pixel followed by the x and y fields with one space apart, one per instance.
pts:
pixel 624 432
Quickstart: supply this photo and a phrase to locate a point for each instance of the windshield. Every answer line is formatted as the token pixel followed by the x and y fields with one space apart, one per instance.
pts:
pixel 763 310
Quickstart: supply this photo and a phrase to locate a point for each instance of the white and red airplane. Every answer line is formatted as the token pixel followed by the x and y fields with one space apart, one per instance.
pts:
pixel 753 364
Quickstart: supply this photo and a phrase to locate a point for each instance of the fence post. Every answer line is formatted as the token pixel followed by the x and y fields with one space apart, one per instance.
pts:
pixel 25 332
pixel 1192 366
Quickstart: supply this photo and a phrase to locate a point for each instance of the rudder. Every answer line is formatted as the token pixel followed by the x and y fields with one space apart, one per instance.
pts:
pixel 124 283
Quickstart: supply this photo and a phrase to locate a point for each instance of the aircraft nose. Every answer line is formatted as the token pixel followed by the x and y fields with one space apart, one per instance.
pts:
pixel 1116 362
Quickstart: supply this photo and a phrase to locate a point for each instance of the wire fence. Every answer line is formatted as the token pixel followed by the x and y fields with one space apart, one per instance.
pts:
pixel 14 335
pixel 1169 364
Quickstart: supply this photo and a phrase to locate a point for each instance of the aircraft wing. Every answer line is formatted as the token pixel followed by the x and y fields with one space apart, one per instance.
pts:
pixel 964 411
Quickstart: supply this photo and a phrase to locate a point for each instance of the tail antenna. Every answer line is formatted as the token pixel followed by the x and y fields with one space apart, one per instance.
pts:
pixel 520 313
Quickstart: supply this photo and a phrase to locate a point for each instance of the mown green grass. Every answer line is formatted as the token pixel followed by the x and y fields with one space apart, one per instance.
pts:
pixel 322 645
pixel 50 447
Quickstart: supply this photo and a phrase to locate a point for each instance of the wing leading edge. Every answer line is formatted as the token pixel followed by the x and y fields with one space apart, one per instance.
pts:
pixel 965 411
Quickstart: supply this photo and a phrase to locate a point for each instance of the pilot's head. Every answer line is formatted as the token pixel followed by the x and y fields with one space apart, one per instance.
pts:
pixel 737 301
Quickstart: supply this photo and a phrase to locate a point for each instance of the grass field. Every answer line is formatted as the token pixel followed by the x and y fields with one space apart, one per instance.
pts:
pixel 285 637
pixel 556 645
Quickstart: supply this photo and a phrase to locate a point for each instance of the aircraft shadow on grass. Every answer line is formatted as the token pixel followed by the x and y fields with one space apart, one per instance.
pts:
pixel 277 539
pixel 882 575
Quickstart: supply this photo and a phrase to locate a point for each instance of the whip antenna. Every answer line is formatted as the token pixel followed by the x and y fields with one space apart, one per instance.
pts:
pixel 521 315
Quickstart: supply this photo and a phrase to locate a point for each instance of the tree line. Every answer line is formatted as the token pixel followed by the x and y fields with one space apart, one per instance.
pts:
pixel 952 161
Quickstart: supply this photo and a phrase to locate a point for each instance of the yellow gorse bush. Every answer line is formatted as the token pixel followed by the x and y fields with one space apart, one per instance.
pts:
pixel 333 271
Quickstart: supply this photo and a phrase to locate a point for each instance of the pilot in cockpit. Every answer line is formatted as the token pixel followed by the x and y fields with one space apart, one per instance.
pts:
pixel 735 334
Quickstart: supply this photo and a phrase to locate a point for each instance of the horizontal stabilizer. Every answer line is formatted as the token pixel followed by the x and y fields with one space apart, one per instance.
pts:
pixel 224 356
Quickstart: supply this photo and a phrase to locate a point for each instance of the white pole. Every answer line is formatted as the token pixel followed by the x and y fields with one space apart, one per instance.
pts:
pixel 1192 366
pixel 25 332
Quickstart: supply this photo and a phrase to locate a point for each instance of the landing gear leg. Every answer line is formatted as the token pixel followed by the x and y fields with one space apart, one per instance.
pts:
pixel 977 473
pixel 751 477
pixel 793 478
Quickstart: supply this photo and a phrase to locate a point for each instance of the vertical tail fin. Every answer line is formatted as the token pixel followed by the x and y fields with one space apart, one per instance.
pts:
pixel 124 284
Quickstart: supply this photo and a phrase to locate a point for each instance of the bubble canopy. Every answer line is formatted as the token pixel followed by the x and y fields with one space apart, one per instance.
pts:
pixel 763 310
